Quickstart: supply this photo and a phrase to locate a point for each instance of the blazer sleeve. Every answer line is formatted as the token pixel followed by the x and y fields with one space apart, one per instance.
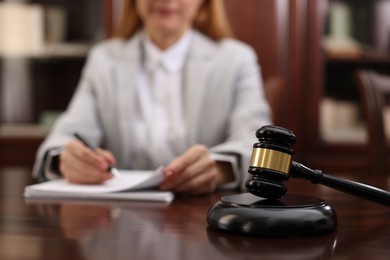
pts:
pixel 250 109
pixel 81 115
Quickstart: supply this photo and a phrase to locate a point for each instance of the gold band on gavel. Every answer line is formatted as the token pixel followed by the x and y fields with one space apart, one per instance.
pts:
pixel 271 159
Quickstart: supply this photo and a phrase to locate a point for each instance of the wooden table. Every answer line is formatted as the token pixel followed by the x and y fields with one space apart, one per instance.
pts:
pixel 134 230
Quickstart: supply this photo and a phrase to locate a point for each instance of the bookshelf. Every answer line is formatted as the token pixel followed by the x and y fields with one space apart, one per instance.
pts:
pixel 329 80
pixel 43 48
pixel 363 42
pixel 41 56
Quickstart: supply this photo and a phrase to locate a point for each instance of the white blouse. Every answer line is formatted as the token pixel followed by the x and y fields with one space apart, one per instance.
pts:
pixel 161 133
pixel 160 128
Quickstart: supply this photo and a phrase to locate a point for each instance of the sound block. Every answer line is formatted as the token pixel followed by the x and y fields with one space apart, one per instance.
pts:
pixel 291 216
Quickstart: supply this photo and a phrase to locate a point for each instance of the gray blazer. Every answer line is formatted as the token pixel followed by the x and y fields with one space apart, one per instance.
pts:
pixel 224 102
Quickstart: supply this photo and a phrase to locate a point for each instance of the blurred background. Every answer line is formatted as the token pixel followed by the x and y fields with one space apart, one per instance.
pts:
pixel 309 52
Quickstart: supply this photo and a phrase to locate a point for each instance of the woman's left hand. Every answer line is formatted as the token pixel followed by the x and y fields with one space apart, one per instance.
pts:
pixel 195 172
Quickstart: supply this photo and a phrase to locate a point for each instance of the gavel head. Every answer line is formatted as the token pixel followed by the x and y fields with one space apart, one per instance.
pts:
pixel 270 163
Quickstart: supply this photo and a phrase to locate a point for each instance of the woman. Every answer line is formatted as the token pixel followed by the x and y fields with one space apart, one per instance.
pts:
pixel 172 89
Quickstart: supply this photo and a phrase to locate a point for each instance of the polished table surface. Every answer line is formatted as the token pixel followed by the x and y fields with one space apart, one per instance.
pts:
pixel 44 229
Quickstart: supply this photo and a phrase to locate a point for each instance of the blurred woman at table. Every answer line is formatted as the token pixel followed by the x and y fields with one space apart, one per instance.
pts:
pixel 174 89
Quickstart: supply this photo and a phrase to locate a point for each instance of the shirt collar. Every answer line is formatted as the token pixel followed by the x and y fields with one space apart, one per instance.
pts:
pixel 173 58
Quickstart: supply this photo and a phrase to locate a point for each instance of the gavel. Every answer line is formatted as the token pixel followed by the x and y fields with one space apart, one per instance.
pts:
pixel 271 165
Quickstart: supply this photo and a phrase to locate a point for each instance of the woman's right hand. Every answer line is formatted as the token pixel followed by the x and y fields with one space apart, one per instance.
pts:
pixel 79 164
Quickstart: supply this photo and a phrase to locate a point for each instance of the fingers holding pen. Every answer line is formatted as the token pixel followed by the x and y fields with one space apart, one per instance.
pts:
pixel 107 155
pixel 79 164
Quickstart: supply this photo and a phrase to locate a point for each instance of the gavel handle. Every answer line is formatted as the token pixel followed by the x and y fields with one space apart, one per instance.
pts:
pixel 355 188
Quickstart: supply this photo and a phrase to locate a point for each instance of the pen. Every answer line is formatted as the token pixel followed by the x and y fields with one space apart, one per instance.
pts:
pixel 114 171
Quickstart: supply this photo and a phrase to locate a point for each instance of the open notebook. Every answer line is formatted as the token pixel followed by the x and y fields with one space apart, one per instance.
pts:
pixel 132 185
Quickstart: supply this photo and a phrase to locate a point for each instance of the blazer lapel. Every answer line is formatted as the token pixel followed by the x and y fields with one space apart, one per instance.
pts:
pixel 125 74
pixel 196 75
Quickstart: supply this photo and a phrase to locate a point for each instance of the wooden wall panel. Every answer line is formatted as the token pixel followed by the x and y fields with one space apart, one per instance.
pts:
pixel 264 26
pixel 258 23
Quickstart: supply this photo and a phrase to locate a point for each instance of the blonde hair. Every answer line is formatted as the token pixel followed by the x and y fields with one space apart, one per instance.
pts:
pixel 211 20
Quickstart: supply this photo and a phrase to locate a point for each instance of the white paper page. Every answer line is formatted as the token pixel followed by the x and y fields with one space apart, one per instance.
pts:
pixel 130 180
pixel 157 196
